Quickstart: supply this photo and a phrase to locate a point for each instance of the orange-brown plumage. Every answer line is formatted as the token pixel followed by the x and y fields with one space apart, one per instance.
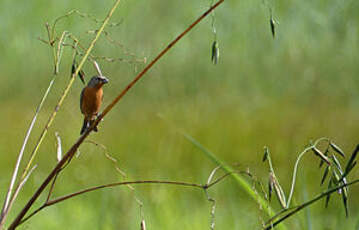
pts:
pixel 91 100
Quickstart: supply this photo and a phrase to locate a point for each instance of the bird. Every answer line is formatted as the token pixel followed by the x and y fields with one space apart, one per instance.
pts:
pixel 91 100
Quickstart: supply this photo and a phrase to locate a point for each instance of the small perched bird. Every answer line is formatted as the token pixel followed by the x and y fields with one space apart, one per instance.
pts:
pixel 91 100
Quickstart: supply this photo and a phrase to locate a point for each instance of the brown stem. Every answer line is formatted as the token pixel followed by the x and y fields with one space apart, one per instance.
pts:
pixel 74 148
pixel 66 197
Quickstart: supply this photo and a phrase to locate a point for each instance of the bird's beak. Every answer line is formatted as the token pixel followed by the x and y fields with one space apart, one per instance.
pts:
pixel 104 80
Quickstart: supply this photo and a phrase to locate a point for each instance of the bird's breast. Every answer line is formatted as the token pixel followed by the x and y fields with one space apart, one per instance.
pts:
pixel 91 101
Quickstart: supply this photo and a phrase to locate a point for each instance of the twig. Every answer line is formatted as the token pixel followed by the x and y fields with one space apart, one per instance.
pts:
pixel 243 183
pixel 19 187
pixel 8 198
pixel 91 189
pixel 49 122
pixel 74 148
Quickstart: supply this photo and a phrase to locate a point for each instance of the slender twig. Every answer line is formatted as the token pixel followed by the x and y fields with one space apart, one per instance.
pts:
pixel 91 189
pixel 74 148
pixel 51 118
pixel 141 74
pixel 243 183
pixel 8 198
pixel 296 166
pixel 19 187
pixel 300 207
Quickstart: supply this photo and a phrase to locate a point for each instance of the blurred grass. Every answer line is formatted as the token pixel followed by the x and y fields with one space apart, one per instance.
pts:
pixel 280 93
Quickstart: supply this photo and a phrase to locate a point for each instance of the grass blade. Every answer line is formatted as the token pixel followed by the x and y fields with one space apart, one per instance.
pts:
pixel 242 182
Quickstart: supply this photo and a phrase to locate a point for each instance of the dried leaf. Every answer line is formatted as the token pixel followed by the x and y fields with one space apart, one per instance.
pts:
pixel 215 52
pixel 143 225
pixel 270 186
pixel 325 154
pixel 278 190
pixel 58 145
pixel 321 155
pixel 337 149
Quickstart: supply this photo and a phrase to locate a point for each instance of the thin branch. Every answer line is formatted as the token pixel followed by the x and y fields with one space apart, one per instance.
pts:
pixel 8 198
pixel 74 148
pixel 49 122
pixel 19 187
pixel 91 189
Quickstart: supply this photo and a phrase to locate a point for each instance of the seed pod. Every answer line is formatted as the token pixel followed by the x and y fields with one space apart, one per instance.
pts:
pixel 143 225
pixel 272 26
pixel 325 175
pixel 351 163
pixel 58 146
pixel 270 186
pixel 81 73
pixel 337 149
pixel 321 155
pixel 337 163
pixel 325 154
pixel 265 156
pixel 278 189
pixel 215 52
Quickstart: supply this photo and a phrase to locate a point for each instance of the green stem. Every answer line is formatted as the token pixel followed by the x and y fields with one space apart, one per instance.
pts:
pixel 242 182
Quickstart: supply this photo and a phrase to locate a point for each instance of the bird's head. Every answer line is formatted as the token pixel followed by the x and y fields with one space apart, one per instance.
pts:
pixel 97 81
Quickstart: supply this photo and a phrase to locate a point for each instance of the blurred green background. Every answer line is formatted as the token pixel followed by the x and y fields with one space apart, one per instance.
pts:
pixel 279 93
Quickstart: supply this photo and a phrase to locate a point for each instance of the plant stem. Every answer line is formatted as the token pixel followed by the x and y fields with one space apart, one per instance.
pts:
pixel 91 189
pixel 74 148
pixel 296 166
pixel 243 183
pixel 300 207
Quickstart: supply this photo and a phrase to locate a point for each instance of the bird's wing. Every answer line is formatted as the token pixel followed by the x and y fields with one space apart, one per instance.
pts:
pixel 81 97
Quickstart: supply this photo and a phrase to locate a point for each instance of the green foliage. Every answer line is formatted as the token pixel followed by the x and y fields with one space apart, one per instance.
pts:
pixel 279 93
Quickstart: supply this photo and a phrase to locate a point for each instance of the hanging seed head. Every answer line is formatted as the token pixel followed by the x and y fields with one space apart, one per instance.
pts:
pixel 272 26
pixel 337 149
pixel 143 225
pixel 351 163
pixel 215 52
pixel 326 171
pixel 321 155
pixel 81 73
pixel 270 185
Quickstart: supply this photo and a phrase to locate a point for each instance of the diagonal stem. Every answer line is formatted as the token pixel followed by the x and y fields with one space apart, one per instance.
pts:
pixel 73 149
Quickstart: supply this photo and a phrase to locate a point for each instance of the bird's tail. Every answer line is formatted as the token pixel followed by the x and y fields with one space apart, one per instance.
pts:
pixel 86 125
